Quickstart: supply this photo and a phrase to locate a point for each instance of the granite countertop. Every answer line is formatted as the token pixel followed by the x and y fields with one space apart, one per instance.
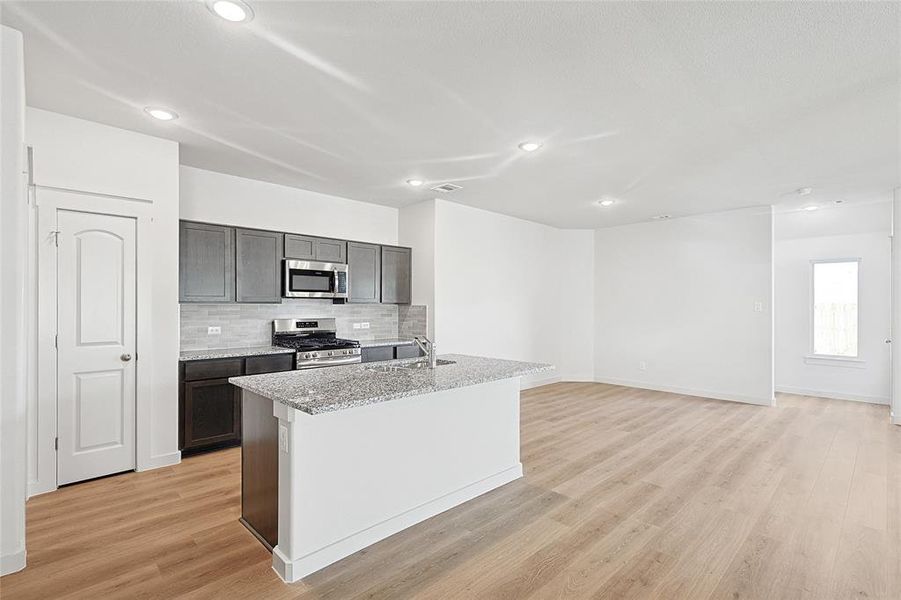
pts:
pixel 329 389
pixel 382 342
pixel 188 355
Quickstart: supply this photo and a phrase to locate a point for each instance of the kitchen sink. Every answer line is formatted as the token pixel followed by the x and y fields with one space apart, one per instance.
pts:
pixel 424 364
pixel 410 366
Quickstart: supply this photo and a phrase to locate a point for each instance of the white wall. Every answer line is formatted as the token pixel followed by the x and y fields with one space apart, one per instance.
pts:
pixel 679 295
pixel 416 229
pixel 504 287
pixel 13 224
pixel 896 307
pixel 79 155
pixel 230 200
pixel 798 242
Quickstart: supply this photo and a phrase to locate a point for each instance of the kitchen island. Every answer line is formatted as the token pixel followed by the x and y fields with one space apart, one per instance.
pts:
pixel 338 458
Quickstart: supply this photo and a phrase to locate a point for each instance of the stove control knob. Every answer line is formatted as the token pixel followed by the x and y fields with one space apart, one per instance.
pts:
pixel 315 355
pixel 330 353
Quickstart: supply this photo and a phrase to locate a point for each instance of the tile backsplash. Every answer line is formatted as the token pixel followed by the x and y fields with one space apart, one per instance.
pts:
pixel 412 320
pixel 251 324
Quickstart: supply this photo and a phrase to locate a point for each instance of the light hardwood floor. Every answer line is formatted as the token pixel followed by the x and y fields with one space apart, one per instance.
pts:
pixel 628 494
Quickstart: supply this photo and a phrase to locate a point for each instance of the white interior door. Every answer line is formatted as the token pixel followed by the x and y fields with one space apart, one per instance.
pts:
pixel 96 345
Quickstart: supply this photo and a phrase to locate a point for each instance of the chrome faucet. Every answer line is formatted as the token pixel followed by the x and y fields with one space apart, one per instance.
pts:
pixel 428 347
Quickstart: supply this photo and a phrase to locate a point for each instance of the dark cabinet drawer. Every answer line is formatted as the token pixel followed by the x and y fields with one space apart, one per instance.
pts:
pixel 212 413
pixel 378 353
pixel 269 364
pixel 213 369
pixel 412 351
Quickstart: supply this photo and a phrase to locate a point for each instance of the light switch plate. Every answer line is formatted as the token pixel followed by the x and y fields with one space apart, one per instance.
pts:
pixel 213 330
pixel 365 325
pixel 357 325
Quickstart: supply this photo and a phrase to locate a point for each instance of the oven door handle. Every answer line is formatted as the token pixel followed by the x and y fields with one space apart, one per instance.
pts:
pixel 328 362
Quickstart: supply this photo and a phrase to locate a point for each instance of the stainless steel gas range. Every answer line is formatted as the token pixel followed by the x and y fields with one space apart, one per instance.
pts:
pixel 316 342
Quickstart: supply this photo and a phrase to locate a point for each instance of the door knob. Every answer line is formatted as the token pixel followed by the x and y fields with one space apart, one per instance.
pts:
pixel 126 357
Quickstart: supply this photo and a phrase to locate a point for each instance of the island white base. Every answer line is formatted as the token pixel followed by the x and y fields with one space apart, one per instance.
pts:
pixel 350 478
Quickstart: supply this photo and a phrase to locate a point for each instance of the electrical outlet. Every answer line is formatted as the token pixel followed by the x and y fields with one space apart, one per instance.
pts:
pixel 365 325
pixel 642 366
pixel 758 306
pixel 213 330
pixel 283 438
pixel 357 325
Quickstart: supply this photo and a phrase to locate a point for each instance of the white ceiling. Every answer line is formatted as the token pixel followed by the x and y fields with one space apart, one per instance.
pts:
pixel 674 108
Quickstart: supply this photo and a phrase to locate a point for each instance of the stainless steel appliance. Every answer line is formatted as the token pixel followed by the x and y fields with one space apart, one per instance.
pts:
pixel 311 279
pixel 316 342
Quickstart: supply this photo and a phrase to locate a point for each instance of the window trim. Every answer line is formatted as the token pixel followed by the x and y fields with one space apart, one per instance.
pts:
pixel 813 355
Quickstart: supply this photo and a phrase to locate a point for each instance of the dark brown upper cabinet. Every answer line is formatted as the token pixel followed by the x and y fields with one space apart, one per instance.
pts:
pixel 305 247
pixel 206 269
pixel 258 259
pixel 218 263
pixel 364 278
pixel 396 275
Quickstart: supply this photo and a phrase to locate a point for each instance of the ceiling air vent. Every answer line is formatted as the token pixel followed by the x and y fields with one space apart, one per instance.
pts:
pixel 444 188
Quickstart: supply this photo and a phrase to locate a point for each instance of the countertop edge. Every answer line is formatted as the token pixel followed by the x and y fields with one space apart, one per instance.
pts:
pixel 318 410
pixel 219 353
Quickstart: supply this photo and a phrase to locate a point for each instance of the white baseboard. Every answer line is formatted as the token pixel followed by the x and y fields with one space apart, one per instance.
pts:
pixel 687 391
pixel 36 488
pixel 10 563
pixel 160 460
pixel 291 571
pixel 533 383
pixel 833 395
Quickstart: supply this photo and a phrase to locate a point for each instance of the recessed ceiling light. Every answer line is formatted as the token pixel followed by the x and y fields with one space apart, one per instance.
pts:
pixel 662 217
pixel 607 202
pixel 163 114
pixel 415 182
pixel 529 146
pixel 235 11
pixel 838 201
pixel 804 191
pixel 811 208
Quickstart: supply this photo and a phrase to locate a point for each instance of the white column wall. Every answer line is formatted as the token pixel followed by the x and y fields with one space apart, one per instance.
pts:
pixel 896 307
pixel 13 223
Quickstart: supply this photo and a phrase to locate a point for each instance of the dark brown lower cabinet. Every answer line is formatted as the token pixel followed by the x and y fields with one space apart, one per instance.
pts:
pixel 209 406
pixel 379 353
pixel 212 414
pixel 407 351
pixel 259 470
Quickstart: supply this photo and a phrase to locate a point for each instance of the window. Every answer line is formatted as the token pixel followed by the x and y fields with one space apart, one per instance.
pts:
pixel 835 308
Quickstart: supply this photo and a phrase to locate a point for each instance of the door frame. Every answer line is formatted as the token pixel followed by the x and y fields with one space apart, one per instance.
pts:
pixel 45 423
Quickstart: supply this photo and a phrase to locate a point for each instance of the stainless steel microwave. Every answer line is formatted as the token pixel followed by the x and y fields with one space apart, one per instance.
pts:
pixel 310 279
